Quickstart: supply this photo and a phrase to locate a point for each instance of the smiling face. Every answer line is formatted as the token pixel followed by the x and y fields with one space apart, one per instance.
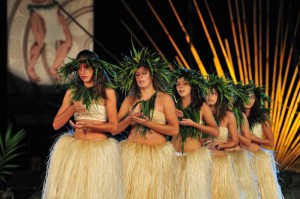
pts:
pixel 85 73
pixel 212 97
pixel 251 101
pixel 183 88
pixel 143 77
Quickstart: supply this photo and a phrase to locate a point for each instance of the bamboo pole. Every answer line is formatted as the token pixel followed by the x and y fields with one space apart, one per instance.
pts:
pixel 289 120
pixel 228 62
pixel 291 87
pixel 255 42
pixel 260 72
pixel 210 42
pixel 241 39
pixel 248 57
pixel 267 48
pixel 275 59
pixel 168 35
pixel 237 51
pixel 131 33
pixel 143 28
pixel 188 40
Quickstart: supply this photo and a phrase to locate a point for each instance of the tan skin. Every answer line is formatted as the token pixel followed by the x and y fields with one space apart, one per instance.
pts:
pixel 268 139
pixel 163 103
pixel 245 135
pixel 39 32
pixel 88 129
pixel 228 121
pixel 184 90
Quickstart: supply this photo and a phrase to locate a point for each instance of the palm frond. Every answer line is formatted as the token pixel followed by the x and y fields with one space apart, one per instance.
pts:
pixel 9 150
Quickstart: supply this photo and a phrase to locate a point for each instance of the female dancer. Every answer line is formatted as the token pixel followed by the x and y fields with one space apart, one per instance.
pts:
pixel 147 157
pixel 194 162
pixel 86 164
pixel 239 156
pixel 263 161
pixel 219 100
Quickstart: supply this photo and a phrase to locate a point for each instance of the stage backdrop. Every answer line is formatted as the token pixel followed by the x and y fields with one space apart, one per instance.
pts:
pixel 42 34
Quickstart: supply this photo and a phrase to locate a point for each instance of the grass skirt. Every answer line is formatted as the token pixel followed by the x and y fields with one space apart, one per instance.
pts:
pixel 88 169
pixel 193 176
pixel 244 173
pixel 264 166
pixel 224 183
pixel 148 170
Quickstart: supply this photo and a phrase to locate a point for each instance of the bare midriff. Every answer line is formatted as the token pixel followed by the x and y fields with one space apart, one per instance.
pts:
pixel 191 144
pixel 151 138
pixel 89 134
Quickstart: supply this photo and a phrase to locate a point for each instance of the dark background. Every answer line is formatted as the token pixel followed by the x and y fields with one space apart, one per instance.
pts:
pixel 34 108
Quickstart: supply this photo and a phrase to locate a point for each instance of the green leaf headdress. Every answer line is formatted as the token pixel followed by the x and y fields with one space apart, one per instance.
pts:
pixel 104 74
pixel 226 93
pixel 240 98
pixel 194 78
pixel 259 113
pixel 199 85
pixel 158 67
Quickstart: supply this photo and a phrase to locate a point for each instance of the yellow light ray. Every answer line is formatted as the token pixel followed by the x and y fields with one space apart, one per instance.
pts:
pixel 144 30
pixel 188 40
pixel 212 47
pixel 288 123
pixel 267 47
pixel 228 62
pixel 229 56
pixel 290 156
pixel 237 51
pixel 255 42
pixel 244 62
pixel 275 58
pixel 279 95
pixel 169 35
pixel 260 82
pixel 291 87
pixel 187 37
pixel 248 57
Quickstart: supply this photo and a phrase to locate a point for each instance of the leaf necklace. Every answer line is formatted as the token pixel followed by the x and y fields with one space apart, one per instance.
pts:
pixel 190 112
pixel 147 108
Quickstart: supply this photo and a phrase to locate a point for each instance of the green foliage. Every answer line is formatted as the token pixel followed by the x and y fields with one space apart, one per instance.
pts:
pixel 192 77
pixel 158 67
pixel 192 113
pixel 10 144
pixel 147 108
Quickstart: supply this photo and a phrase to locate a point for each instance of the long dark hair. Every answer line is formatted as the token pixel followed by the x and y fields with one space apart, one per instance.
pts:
pixel 100 78
pixel 197 97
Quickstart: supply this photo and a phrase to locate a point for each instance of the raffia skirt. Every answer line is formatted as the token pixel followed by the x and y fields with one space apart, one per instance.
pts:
pixel 264 166
pixel 88 169
pixel 193 175
pixel 244 173
pixel 224 183
pixel 148 170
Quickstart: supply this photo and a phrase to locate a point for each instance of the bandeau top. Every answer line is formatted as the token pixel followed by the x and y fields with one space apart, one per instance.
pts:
pixel 96 112
pixel 257 130
pixel 159 117
pixel 223 134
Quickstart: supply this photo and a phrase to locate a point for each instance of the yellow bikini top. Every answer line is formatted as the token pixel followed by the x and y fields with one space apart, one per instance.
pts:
pixel 257 130
pixel 223 134
pixel 96 112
